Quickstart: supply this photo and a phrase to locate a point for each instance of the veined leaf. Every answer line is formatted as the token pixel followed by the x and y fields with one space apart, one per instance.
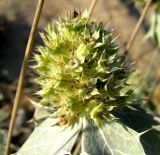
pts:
pixel 110 139
pixel 47 139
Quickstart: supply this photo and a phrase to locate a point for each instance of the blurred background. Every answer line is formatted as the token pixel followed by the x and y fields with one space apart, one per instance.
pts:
pixel 16 17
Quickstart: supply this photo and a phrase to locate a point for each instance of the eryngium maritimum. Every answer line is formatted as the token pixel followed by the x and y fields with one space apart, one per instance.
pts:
pixel 80 72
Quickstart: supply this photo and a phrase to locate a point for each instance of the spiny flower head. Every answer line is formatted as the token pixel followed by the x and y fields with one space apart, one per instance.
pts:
pixel 80 71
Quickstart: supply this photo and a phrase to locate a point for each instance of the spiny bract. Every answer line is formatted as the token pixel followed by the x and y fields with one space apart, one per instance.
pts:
pixel 80 72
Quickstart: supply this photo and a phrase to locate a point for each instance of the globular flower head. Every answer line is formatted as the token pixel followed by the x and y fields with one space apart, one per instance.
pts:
pixel 80 71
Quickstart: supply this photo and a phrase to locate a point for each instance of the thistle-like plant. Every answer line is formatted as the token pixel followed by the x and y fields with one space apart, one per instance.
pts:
pixel 80 71
pixel 83 82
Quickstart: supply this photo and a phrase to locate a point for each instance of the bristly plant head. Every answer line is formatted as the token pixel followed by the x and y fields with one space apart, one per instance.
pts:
pixel 83 84
pixel 80 71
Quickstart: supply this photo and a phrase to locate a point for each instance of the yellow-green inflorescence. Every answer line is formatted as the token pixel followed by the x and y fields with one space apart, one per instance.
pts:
pixel 80 72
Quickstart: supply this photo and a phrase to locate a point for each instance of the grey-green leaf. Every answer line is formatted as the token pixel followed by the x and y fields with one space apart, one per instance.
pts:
pixel 3 135
pixel 47 139
pixel 154 31
pixel 140 121
pixel 41 113
pixel 110 139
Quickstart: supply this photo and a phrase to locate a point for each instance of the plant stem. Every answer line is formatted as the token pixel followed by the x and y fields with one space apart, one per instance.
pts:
pixel 77 149
pixel 91 8
pixel 139 23
pixel 23 73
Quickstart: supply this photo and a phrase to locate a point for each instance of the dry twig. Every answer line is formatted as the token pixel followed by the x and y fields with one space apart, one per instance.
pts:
pixel 91 8
pixel 139 23
pixel 77 149
pixel 23 73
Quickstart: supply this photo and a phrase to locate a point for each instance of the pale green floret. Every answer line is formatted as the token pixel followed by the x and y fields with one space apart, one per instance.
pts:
pixel 80 72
